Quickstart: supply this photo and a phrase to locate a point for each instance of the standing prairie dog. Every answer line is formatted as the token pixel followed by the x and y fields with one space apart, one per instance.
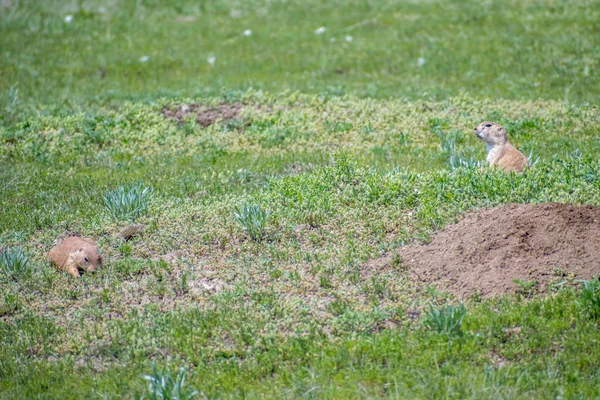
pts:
pixel 75 254
pixel 500 151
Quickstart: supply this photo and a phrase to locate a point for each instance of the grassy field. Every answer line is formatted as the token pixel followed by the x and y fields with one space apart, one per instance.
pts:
pixel 254 272
pixel 545 49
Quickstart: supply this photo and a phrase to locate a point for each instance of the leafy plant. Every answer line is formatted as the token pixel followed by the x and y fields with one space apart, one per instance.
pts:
pixel 14 261
pixel 128 202
pixel 445 320
pixel 457 161
pixel 590 297
pixel 447 140
pixel 161 386
pixel 532 159
pixel 253 219
pixel 526 288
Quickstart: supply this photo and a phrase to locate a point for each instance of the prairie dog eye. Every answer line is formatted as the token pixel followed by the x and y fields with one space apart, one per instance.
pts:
pixel 85 259
pixel 488 125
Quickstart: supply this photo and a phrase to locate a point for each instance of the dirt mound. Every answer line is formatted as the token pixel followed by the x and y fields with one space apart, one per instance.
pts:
pixel 205 115
pixel 489 249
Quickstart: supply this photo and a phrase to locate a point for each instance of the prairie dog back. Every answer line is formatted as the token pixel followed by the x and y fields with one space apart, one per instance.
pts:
pixel 75 255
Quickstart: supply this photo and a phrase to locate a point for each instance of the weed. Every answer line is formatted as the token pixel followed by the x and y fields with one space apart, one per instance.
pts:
pixel 532 159
pixel 448 141
pixel 253 219
pixel 337 307
pixel 105 295
pixel 161 386
pixel 437 125
pixel 182 288
pixel 12 304
pixel 397 261
pixel 526 288
pixel 455 161
pixel 325 282
pixel 589 297
pixel 276 274
pixel 125 249
pixel 294 276
pixel 14 262
pixel 313 219
pixel 128 202
pixel 445 320
pixel 377 286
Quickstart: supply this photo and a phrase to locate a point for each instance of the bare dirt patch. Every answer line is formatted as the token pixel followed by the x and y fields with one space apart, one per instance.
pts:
pixel 487 250
pixel 205 115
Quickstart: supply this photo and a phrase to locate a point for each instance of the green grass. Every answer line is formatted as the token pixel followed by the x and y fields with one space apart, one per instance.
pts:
pixel 253 272
pixel 254 275
pixel 497 49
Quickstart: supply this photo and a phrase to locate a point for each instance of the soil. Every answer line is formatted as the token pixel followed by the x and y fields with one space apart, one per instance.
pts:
pixel 486 251
pixel 205 115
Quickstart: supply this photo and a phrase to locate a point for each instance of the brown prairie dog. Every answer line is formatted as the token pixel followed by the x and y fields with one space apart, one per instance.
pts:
pixel 500 152
pixel 75 254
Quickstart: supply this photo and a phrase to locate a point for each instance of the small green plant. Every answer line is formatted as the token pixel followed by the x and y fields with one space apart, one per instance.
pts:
pixel 253 219
pixel 325 282
pixel 337 307
pixel 445 320
pixel 447 143
pixel 526 288
pixel 377 286
pixel 455 161
pixel 161 386
pixel 14 262
pixel 532 159
pixel 128 202
pixel 11 304
pixel 589 298
pixel 125 249
pixel 182 287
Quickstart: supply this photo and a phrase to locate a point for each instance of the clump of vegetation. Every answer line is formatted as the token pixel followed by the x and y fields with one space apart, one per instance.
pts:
pixel 128 202
pixel 532 159
pixel 253 219
pixel 14 262
pixel 445 320
pixel 162 386
pixel 456 161
pixel 589 297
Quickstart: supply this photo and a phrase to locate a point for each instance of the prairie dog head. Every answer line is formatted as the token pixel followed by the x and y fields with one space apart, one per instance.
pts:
pixel 86 258
pixel 491 133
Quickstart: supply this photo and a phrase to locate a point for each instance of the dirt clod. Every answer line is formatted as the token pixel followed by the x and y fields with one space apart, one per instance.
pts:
pixel 205 115
pixel 486 251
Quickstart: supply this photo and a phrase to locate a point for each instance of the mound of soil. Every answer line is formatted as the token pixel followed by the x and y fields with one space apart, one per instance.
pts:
pixel 489 249
pixel 205 116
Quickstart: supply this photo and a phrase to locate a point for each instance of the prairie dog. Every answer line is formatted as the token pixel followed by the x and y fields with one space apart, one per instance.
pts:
pixel 75 254
pixel 500 151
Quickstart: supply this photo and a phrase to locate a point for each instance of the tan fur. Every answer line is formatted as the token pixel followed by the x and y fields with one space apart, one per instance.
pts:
pixel 75 254
pixel 500 152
